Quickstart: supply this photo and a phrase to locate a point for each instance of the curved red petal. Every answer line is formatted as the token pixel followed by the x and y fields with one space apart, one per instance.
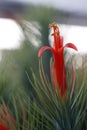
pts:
pixel 44 49
pixel 71 45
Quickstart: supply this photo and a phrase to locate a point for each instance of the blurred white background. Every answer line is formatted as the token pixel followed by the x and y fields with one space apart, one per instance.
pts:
pixel 10 32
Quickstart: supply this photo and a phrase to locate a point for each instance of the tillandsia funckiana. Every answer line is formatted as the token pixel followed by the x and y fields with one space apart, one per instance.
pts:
pixel 60 101
pixel 63 99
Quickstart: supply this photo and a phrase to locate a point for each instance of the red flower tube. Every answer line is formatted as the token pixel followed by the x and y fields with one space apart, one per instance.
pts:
pixel 58 55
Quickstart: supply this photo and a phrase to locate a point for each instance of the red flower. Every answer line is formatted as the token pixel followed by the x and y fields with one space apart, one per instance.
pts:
pixel 58 55
pixel 2 127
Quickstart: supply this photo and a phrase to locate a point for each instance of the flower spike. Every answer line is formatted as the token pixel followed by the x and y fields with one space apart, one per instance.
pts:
pixel 58 56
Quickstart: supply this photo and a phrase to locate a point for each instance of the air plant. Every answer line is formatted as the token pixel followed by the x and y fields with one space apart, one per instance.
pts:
pixel 63 99
pixel 59 103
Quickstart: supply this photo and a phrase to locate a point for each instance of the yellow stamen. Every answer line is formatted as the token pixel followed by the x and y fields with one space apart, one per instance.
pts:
pixel 55 28
pixel 55 34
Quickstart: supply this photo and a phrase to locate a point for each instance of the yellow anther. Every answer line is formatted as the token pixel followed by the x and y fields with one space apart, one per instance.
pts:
pixel 54 25
pixel 56 29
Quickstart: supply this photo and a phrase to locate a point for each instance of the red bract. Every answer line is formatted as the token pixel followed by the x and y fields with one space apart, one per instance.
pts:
pixel 2 127
pixel 58 55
